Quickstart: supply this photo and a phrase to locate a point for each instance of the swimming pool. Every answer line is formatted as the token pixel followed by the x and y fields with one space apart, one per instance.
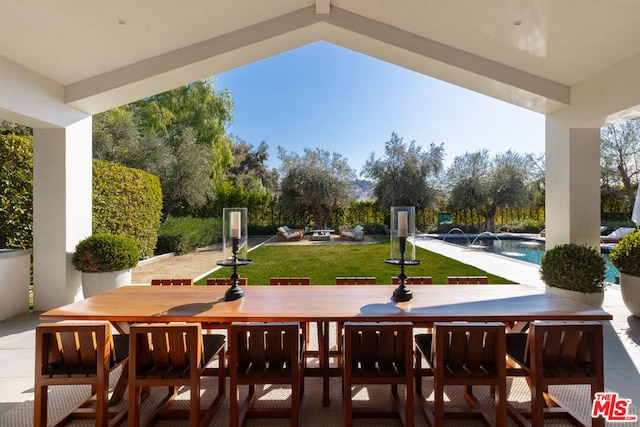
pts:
pixel 527 250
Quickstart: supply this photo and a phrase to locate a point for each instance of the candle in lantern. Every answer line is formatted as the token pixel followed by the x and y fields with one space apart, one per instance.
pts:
pixel 403 223
pixel 234 225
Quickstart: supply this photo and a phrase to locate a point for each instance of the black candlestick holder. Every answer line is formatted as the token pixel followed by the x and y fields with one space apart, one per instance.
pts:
pixel 402 293
pixel 235 291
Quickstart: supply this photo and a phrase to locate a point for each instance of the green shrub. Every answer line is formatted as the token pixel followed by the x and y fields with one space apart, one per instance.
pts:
pixel 261 230
pixel 573 267
pixel 625 256
pixel 16 191
pixel 533 226
pixel 374 228
pixel 105 252
pixel 127 202
pixel 184 234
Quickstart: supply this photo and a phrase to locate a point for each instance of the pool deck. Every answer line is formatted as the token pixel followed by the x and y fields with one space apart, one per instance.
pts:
pixel 621 335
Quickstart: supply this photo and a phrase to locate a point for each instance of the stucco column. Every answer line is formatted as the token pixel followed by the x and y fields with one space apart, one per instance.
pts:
pixel 572 185
pixel 61 210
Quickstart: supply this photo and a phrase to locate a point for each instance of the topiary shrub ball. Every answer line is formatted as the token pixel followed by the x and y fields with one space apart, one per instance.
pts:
pixel 625 256
pixel 102 253
pixel 573 267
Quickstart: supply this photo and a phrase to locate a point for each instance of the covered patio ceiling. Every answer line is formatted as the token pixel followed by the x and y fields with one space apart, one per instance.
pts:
pixel 542 55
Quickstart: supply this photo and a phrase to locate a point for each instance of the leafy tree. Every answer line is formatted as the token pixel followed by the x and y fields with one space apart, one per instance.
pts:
pixel 485 185
pixel 178 136
pixel 403 177
pixel 198 106
pixel 249 168
pixel 316 183
pixel 16 186
pixel 620 156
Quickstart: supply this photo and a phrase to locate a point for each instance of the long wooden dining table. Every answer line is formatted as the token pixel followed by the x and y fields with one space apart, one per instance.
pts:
pixel 325 304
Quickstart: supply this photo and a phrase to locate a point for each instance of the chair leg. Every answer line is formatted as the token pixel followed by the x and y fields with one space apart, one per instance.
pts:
pixel 40 406
pixel 438 402
pixel 134 407
pixel 348 405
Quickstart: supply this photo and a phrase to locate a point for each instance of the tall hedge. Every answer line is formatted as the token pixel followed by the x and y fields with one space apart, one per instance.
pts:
pixel 127 202
pixel 16 191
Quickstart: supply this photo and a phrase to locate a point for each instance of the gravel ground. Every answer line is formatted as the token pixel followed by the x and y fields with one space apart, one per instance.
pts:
pixel 193 264
pixel 203 260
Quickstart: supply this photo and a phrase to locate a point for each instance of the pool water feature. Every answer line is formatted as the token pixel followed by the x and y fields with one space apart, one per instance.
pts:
pixel 527 250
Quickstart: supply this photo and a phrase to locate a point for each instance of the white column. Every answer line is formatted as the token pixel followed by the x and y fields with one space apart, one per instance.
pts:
pixel 572 185
pixel 62 183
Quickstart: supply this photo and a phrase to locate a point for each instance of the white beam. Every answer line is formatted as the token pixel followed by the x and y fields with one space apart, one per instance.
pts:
pixel 33 100
pixel 323 7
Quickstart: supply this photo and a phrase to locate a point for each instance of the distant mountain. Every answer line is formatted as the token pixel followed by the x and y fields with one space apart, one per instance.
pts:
pixel 362 190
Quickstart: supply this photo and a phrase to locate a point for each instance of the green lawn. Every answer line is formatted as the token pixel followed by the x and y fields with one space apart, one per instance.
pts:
pixel 323 263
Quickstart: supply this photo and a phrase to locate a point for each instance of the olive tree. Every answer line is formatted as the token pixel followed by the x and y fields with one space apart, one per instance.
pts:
pixel 484 184
pixel 405 175
pixel 316 183
pixel 620 157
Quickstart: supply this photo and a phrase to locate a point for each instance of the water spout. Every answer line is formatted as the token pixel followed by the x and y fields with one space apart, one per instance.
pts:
pixel 473 244
pixel 456 229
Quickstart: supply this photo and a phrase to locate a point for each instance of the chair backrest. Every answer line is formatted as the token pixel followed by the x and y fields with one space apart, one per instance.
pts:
pixel 263 350
pixel 468 349
pixel 566 349
pixel 355 280
pixel 413 280
pixel 225 281
pixel 74 349
pixel 289 281
pixel 171 282
pixel 467 280
pixel 165 351
pixel 381 349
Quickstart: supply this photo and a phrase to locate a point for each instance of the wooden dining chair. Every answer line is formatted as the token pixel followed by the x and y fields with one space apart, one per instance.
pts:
pixel 171 282
pixel 556 353
pixel 70 353
pixel 378 353
pixel 355 280
pixel 295 281
pixel 467 280
pixel 463 354
pixel 225 281
pixel 263 354
pixel 289 281
pixel 174 355
pixel 413 280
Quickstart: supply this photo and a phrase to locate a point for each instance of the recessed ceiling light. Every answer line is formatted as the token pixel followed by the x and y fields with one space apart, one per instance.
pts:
pixel 518 23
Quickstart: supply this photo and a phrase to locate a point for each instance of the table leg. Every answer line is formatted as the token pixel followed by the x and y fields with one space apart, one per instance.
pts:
pixel 323 355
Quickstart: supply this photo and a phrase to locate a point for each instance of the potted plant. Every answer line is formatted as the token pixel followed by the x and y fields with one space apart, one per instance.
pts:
pixel 105 261
pixel 625 256
pixel 574 271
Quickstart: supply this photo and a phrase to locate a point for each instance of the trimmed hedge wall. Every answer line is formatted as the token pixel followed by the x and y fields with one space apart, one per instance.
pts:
pixel 16 191
pixel 127 202
pixel 184 234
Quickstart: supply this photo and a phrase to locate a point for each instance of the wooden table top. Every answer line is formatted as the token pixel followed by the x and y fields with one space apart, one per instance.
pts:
pixel 327 304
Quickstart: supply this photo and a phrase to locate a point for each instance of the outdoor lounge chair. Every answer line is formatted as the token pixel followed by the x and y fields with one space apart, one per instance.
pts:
pixel 616 235
pixel 285 233
pixel 356 233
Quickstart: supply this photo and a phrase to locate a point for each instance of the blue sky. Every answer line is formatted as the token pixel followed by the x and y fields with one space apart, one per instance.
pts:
pixel 325 96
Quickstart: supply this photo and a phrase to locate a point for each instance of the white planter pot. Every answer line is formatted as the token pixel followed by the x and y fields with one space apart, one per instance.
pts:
pixel 14 287
pixel 97 283
pixel 630 290
pixel 594 299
